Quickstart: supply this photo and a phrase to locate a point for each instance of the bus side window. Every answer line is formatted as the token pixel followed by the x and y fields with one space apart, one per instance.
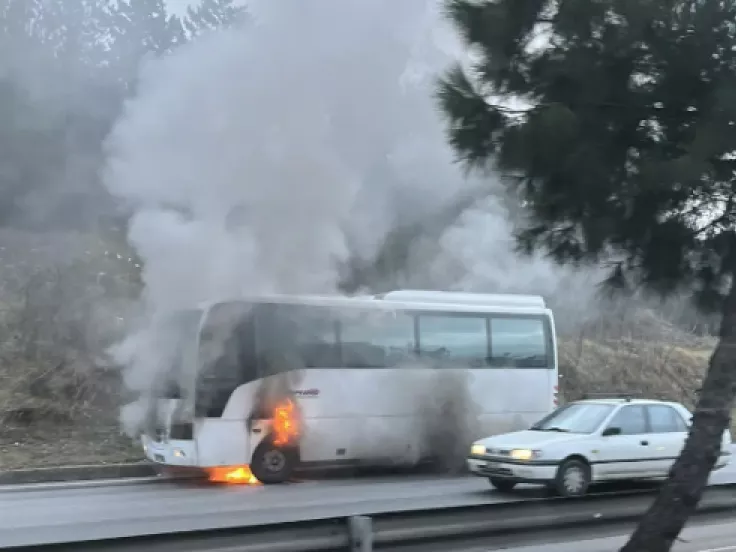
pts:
pixel 375 339
pixel 460 339
pixel 291 337
pixel 519 342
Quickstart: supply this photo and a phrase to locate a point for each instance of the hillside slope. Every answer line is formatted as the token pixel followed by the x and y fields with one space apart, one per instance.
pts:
pixel 67 416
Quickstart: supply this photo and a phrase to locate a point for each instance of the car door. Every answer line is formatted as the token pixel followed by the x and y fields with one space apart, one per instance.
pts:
pixel 668 432
pixel 628 454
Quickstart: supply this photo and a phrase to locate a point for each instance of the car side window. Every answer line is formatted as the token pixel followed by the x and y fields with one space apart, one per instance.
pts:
pixel 665 419
pixel 631 419
pixel 681 423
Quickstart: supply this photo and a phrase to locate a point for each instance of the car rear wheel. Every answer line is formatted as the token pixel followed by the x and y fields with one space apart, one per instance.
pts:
pixel 573 478
pixel 503 485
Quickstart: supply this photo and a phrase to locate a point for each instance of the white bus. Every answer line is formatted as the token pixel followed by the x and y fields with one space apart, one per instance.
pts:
pixel 260 387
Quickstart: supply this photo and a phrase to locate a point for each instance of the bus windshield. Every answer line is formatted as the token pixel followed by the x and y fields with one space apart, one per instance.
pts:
pixel 175 342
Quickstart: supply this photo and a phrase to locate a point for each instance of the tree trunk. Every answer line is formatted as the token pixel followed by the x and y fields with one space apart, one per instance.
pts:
pixel 688 477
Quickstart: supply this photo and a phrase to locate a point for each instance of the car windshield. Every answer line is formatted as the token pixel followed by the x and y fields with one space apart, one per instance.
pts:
pixel 575 418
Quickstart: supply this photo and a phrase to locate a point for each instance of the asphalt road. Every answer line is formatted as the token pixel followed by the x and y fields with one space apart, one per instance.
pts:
pixel 43 514
pixel 707 534
pixel 58 513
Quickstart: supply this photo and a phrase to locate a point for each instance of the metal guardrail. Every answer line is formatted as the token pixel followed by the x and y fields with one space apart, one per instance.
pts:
pixel 386 530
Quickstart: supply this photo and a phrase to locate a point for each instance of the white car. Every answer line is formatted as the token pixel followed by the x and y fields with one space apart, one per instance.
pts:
pixel 589 441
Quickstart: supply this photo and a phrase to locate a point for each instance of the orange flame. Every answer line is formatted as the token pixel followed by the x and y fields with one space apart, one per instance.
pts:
pixel 285 423
pixel 236 475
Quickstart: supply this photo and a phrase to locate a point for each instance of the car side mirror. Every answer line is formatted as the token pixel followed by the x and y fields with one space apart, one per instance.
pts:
pixel 611 431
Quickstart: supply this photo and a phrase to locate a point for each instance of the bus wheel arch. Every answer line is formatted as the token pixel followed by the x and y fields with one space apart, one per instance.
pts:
pixel 272 463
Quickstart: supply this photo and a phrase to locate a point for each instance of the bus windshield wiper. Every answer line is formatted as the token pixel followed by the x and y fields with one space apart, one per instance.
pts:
pixel 558 429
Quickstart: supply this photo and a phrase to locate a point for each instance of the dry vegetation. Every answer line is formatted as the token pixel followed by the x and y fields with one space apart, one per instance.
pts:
pixel 59 414
pixel 59 403
pixel 639 353
pixel 660 369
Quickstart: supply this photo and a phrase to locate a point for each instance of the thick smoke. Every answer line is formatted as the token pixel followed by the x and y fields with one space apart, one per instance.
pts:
pixel 263 158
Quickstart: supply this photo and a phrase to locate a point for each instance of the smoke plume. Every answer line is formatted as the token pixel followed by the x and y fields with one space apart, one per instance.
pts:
pixel 263 158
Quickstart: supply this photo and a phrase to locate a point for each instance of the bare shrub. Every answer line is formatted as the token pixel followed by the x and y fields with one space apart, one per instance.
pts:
pixel 633 350
pixel 57 315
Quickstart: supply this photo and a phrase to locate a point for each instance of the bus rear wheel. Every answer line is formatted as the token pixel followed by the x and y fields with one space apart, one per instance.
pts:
pixel 272 464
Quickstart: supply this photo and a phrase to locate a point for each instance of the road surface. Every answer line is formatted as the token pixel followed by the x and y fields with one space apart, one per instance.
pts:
pixel 48 513
pixel 708 534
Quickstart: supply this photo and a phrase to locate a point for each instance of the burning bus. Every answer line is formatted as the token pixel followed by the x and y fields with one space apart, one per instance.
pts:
pixel 260 387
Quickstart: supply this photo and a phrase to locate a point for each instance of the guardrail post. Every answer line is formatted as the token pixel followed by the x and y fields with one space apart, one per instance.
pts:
pixel 361 534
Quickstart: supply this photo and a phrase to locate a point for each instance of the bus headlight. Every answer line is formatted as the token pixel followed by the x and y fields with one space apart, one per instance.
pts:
pixel 479 450
pixel 179 453
pixel 525 454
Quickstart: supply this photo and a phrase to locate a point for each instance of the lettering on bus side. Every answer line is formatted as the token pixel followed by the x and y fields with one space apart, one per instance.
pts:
pixel 306 392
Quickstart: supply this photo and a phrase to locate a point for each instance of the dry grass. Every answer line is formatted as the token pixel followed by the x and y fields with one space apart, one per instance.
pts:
pixel 657 369
pixel 633 350
pixel 48 445
pixel 60 416
pixel 57 405
pixel 663 370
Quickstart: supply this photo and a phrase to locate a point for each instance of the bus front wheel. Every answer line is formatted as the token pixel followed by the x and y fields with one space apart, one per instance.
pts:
pixel 272 464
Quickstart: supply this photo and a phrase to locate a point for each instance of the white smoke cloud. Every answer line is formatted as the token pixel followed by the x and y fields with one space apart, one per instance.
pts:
pixel 260 159
pixel 477 255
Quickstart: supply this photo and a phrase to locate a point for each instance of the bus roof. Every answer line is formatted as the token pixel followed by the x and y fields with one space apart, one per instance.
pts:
pixel 462 298
pixel 410 300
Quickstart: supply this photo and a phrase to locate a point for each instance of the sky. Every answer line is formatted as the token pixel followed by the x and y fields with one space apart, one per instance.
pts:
pixel 178 6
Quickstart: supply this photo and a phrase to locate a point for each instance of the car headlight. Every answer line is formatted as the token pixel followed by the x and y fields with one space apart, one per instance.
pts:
pixel 478 449
pixel 525 454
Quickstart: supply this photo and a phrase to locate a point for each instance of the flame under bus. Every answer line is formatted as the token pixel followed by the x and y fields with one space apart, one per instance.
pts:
pixel 260 387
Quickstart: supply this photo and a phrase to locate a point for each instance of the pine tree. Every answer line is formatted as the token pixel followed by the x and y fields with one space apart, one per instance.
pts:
pixel 213 14
pixel 616 122
pixel 140 28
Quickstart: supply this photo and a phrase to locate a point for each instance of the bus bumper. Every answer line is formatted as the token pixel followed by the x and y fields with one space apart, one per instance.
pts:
pixel 171 453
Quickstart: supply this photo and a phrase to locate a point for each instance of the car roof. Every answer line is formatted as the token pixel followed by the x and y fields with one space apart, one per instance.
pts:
pixel 616 401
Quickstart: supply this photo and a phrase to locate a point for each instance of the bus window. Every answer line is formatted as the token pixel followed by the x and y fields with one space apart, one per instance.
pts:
pixel 290 337
pixel 226 355
pixel 458 338
pixel 519 342
pixel 375 339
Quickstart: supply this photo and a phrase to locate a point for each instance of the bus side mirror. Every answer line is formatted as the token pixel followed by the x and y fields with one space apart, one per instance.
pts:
pixel 611 431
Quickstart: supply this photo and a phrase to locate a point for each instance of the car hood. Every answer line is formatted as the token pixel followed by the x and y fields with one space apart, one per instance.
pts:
pixel 527 439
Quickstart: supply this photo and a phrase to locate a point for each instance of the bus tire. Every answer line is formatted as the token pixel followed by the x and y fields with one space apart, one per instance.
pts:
pixel 271 464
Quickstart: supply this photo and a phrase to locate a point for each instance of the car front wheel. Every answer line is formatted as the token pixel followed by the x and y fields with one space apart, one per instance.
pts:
pixel 503 485
pixel 573 478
